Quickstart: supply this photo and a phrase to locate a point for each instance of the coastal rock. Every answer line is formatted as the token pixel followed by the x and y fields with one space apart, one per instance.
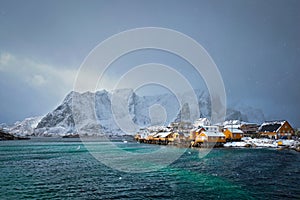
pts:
pixel 7 136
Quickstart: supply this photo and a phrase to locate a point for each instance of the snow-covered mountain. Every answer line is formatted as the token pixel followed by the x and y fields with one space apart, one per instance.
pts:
pixel 25 127
pixel 3 126
pixel 93 113
pixel 58 122
pixel 103 112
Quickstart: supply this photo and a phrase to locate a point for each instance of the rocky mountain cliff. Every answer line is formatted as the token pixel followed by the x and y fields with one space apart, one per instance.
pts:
pixel 93 112
pixel 25 127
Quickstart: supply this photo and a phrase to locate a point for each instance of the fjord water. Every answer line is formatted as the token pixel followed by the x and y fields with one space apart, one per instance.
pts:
pixel 64 169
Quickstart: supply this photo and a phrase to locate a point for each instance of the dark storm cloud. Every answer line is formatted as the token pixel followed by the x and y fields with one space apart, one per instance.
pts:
pixel 254 43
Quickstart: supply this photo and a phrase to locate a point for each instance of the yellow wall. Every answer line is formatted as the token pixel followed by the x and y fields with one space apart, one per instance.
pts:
pixel 202 137
pixel 237 136
pixel 234 136
pixel 228 134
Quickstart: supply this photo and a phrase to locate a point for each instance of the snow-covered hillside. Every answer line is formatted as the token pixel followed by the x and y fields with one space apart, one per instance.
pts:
pixel 103 113
pixel 94 113
pixel 25 127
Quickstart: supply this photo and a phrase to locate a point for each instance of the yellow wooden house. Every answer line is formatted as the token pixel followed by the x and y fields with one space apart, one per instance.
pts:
pixel 195 132
pixel 216 138
pixel 233 134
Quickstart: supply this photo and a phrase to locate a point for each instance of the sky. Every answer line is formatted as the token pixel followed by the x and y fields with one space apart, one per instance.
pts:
pixel 254 43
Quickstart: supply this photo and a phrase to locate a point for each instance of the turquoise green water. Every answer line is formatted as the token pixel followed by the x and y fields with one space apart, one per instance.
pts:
pixel 59 169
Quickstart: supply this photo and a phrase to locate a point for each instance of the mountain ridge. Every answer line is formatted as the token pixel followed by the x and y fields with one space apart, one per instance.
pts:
pixel 93 113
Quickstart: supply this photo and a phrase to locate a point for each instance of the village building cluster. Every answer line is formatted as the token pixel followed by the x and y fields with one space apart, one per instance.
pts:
pixel 202 133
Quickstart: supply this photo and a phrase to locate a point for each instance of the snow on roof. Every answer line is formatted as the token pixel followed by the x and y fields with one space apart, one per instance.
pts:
pixel 235 126
pixel 249 123
pixel 232 122
pixel 235 123
pixel 153 134
pixel 281 122
pixel 157 128
pixel 214 134
pixel 163 134
pixel 235 130
pixel 271 126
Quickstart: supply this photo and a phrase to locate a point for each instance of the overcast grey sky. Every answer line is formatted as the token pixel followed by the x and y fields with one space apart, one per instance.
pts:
pixel 255 44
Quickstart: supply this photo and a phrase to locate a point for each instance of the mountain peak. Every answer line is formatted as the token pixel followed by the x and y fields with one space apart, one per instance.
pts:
pixel 94 113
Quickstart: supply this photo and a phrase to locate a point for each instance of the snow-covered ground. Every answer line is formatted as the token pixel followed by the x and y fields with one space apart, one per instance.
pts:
pixel 263 142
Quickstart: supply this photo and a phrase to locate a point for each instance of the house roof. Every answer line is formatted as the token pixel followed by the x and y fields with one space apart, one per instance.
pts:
pixel 272 126
pixel 157 128
pixel 214 134
pixel 232 122
pixel 163 134
pixel 235 130
pixel 233 126
pixel 199 129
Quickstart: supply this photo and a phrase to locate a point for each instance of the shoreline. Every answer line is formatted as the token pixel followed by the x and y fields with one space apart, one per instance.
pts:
pixel 257 144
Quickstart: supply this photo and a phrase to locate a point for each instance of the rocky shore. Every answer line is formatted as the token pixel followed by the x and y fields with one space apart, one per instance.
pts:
pixel 7 136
